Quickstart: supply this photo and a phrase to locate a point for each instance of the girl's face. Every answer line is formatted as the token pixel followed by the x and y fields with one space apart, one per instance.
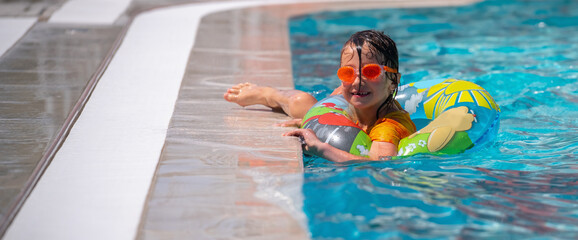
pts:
pixel 364 94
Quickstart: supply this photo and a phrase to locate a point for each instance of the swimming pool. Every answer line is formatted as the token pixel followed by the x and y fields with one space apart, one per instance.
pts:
pixel 525 184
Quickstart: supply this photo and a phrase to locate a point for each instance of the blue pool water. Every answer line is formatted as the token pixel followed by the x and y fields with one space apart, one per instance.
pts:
pixel 524 185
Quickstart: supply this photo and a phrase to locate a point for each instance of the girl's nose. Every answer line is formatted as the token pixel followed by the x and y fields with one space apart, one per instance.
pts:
pixel 358 80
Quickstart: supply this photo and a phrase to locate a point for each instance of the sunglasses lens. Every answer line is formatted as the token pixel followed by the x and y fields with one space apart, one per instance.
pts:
pixel 346 74
pixel 371 71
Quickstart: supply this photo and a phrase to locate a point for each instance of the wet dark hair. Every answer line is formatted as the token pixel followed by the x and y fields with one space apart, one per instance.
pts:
pixel 383 49
pixel 380 45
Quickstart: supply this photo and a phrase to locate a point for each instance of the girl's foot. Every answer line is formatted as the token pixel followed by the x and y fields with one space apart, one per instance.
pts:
pixel 246 94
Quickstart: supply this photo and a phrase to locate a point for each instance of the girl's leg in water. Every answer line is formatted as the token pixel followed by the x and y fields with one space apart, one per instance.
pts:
pixel 294 103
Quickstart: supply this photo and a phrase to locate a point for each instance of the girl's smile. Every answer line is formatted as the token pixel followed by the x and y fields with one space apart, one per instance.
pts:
pixel 360 94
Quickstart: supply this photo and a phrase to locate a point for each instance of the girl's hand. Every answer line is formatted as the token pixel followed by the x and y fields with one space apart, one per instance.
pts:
pixel 313 146
pixel 308 139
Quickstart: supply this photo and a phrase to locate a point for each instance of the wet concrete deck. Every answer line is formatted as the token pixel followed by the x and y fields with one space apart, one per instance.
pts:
pixel 42 78
pixel 224 172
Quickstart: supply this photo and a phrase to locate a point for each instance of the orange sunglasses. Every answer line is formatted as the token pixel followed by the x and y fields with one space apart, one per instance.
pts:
pixel 370 71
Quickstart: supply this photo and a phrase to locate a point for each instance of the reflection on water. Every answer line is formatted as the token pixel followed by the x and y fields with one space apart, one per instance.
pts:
pixel 522 185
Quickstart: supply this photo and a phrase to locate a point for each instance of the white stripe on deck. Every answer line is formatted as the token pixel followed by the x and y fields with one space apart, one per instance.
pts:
pixel 90 11
pixel 11 30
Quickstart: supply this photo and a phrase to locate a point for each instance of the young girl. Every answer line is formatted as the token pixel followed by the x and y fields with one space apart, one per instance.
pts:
pixel 366 53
